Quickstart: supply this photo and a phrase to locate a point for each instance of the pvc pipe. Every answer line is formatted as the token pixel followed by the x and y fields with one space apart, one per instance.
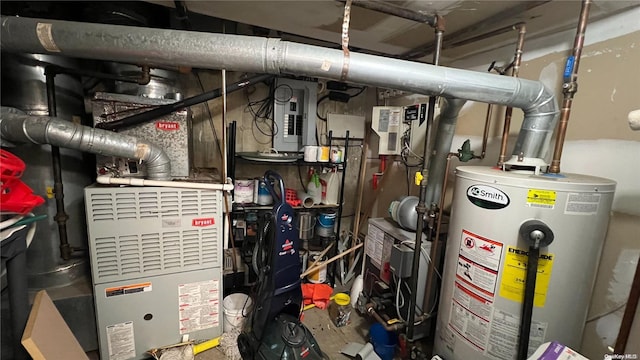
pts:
pixel 108 180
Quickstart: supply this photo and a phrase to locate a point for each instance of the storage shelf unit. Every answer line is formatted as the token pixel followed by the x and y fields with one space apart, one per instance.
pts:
pixel 342 166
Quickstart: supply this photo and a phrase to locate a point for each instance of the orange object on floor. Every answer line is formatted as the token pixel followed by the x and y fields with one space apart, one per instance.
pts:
pixel 317 294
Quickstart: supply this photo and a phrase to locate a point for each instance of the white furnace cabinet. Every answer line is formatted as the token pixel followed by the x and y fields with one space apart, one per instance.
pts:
pixel 156 256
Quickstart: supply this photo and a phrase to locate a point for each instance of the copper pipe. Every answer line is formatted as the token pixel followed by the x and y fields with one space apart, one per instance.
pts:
pixel 570 87
pixel 452 39
pixel 427 304
pixel 372 312
pixel 515 70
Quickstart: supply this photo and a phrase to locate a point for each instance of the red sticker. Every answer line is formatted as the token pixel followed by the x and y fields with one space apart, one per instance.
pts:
pixel 167 125
pixel 203 222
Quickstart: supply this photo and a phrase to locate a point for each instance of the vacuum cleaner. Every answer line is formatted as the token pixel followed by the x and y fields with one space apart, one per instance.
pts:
pixel 273 329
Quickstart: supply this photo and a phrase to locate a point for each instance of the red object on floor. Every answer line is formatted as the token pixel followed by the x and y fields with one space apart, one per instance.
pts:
pixel 317 294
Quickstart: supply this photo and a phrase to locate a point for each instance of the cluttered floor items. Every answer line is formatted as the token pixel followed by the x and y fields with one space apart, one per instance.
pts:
pixel 339 329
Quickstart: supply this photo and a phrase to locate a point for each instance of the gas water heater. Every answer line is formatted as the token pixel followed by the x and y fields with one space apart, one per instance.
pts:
pixel 484 272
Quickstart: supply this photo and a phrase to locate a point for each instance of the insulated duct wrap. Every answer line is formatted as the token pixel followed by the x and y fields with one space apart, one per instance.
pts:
pixel 273 56
pixel 20 128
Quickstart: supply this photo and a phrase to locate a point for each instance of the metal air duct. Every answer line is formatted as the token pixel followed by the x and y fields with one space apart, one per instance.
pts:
pixel 19 128
pixel 273 56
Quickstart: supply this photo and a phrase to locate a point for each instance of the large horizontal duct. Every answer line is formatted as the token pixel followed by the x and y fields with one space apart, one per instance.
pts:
pixel 273 56
pixel 17 127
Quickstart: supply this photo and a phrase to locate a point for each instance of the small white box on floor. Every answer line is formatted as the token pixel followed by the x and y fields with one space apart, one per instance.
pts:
pixel 555 351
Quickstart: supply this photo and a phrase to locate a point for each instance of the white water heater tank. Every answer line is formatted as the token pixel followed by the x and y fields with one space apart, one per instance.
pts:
pixel 484 270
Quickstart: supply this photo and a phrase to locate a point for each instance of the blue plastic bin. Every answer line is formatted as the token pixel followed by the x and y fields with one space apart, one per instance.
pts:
pixel 384 342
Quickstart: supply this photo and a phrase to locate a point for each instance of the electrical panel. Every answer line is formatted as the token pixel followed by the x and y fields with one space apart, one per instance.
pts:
pixel 170 132
pixel 294 114
pixel 156 265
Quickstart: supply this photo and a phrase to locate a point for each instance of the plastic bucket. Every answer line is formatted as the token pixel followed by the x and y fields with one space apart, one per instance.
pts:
pixel 235 307
pixel 326 223
pixel 262 196
pixel 384 342
pixel 243 191
pixel 319 276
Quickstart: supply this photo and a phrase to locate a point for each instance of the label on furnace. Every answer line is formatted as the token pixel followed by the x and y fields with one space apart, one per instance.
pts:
pixel 120 341
pixel 198 305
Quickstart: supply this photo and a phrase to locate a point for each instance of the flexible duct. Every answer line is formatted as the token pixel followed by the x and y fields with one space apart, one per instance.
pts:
pixel 273 56
pixel 20 128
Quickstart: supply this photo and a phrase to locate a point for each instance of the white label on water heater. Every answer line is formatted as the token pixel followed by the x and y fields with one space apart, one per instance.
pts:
pixel 472 328
pixel 582 204
pixel 475 288
pixel 503 336
pixel 484 252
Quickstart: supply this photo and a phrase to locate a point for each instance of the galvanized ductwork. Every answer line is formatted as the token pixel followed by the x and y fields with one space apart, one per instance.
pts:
pixel 273 56
pixel 19 128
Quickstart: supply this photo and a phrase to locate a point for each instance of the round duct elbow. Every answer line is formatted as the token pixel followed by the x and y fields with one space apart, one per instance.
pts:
pixel 403 212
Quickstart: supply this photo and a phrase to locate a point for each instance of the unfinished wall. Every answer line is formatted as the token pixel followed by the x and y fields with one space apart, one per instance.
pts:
pixel 599 142
pixel 250 139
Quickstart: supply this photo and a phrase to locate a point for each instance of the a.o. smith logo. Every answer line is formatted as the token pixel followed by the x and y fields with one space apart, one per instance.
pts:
pixel 487 197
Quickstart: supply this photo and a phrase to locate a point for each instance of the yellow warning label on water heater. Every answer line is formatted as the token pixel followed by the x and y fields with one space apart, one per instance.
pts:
pixel 541 198
pixel 514 274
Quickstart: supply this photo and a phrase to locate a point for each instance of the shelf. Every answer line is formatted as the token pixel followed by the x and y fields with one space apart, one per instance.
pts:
pixel 245 207
pixel 293 162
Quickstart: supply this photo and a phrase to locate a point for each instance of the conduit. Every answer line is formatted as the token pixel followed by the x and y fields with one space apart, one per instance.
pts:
pixel 19 128
pixel 273 56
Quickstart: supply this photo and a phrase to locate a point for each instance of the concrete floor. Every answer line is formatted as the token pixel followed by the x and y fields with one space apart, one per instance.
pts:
pixel 330 338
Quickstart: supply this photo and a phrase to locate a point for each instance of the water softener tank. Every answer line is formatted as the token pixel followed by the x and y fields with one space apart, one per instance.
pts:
pixel 485 266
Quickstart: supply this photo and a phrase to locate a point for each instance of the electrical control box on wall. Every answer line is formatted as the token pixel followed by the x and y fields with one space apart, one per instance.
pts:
pixel 401 128
pixel 170 132
pixel 387 122
pixel 415 116
pixel 294 114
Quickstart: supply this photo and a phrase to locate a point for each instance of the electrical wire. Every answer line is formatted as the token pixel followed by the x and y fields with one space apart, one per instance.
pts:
pixel 600 316
pixel 262 112
pixel 206 106
pixel 351 96
pixel 323 98
pixel 424 253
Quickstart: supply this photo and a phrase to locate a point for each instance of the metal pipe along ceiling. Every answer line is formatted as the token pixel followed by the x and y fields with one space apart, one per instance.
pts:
pixel 273 56
pixel 19 128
